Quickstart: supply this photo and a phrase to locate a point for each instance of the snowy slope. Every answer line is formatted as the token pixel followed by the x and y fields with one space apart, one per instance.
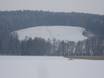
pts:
pixel 50 32
pixel 49 67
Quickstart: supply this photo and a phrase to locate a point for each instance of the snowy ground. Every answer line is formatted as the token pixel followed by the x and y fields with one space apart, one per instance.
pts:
pixel 50 32
pixel 49 67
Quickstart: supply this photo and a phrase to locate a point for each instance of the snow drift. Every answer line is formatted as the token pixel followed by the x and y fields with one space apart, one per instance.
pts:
pixel 49 67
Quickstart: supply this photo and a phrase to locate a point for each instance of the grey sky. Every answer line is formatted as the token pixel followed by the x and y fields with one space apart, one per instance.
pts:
pixel 89 6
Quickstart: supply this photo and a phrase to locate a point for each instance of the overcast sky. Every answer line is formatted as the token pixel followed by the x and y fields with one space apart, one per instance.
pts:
pixel 88 6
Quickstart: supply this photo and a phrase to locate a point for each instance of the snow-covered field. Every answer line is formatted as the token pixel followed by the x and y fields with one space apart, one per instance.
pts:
pixel 49 67
pixel 50 32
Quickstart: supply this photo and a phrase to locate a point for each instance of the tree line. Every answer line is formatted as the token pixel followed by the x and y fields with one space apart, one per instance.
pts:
pixel 15 20
pixel 38 46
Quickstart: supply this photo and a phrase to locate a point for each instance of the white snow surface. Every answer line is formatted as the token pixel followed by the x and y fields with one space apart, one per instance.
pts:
pixel 67 33
pixel 49 67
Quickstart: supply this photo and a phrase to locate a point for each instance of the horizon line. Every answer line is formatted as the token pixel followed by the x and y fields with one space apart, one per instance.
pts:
pixel 50 11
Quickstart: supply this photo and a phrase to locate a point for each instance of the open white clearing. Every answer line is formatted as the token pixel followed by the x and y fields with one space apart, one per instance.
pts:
pixel 69 33
pixel 49 67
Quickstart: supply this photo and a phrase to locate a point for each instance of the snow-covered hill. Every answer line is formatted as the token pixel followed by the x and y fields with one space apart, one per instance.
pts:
pixel 53 32
pixel 49 67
